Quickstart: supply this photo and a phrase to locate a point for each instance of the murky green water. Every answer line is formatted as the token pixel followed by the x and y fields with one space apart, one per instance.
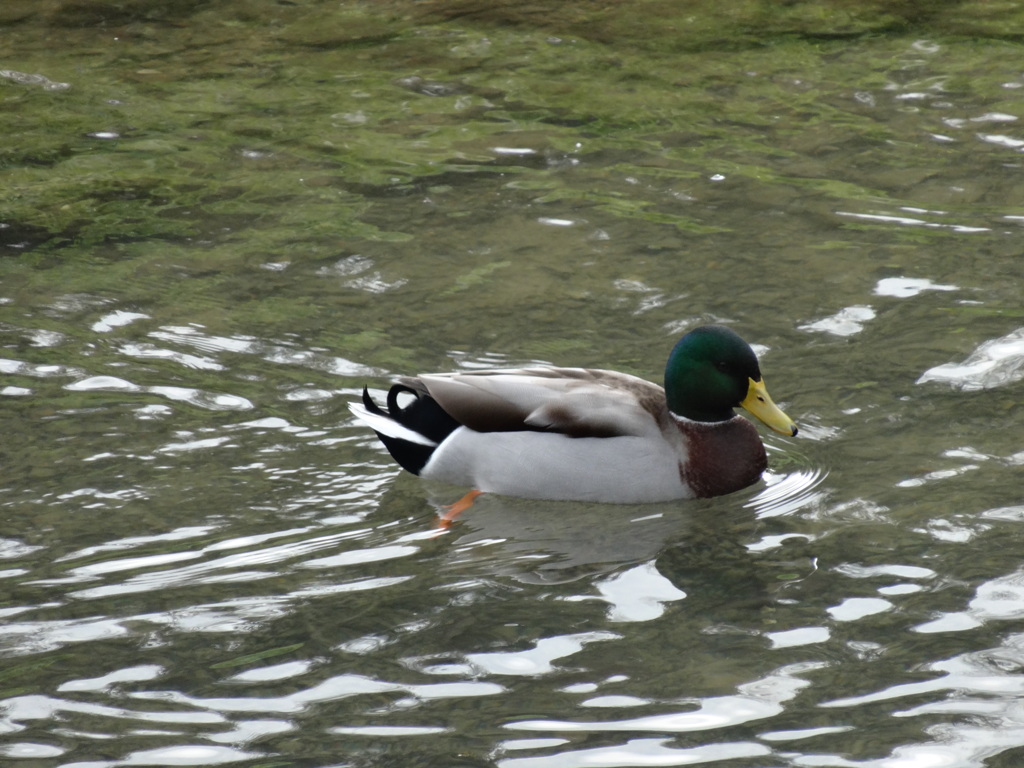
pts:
pixel 220 220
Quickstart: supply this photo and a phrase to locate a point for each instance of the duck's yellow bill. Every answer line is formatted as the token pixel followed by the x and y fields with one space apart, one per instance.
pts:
pixel 760 404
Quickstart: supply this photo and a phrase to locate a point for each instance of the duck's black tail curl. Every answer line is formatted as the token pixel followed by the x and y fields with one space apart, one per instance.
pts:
pixel 422 415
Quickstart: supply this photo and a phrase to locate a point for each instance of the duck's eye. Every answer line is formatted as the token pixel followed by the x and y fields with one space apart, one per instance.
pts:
pixel 722 366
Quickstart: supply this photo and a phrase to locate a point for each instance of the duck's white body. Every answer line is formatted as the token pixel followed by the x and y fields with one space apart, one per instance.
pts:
pixel 543 465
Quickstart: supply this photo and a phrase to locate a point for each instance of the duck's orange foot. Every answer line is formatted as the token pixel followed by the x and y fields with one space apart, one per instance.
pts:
pixel 451 512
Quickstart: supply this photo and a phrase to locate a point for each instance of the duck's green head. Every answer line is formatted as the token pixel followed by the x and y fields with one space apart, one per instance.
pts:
pixel 712 370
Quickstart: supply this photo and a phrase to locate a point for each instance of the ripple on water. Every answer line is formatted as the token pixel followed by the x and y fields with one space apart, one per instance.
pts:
pixel 790 492
pixel 273 352
pixel 537 660
pixel 757 700
pixel 977 692
pixel 213 401
pixel 994 363
pixel 638 752
pixel 117 319
pixel 33 79
pixel 332 689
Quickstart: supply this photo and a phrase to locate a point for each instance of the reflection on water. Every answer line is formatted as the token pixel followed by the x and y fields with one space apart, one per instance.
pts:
pixel 563 540
pixel 208 254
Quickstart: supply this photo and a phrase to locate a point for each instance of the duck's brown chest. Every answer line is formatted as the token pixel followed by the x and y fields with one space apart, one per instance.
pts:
pixel 722 457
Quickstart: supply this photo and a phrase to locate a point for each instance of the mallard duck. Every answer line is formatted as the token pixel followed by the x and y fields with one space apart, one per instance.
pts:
pixel 587 435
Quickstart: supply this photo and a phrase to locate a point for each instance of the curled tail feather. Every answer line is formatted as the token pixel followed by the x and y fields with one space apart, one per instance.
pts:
pixel 412 432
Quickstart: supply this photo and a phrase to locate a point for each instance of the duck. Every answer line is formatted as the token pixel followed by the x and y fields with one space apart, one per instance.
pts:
pixel 588 435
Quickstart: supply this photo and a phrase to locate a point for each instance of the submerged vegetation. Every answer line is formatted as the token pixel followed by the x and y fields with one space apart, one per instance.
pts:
pixel 222 142
pixel 257 127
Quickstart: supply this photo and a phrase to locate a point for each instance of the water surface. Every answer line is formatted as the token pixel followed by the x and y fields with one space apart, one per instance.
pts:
pixel 220 222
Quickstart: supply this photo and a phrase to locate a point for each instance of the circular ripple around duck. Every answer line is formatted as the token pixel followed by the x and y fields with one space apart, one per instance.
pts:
pixel 790 491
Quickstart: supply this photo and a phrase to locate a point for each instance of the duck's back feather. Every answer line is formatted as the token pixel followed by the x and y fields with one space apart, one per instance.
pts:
pixel 578 402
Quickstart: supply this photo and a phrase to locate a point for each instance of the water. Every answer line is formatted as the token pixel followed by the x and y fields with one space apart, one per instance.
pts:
pixel 219 223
